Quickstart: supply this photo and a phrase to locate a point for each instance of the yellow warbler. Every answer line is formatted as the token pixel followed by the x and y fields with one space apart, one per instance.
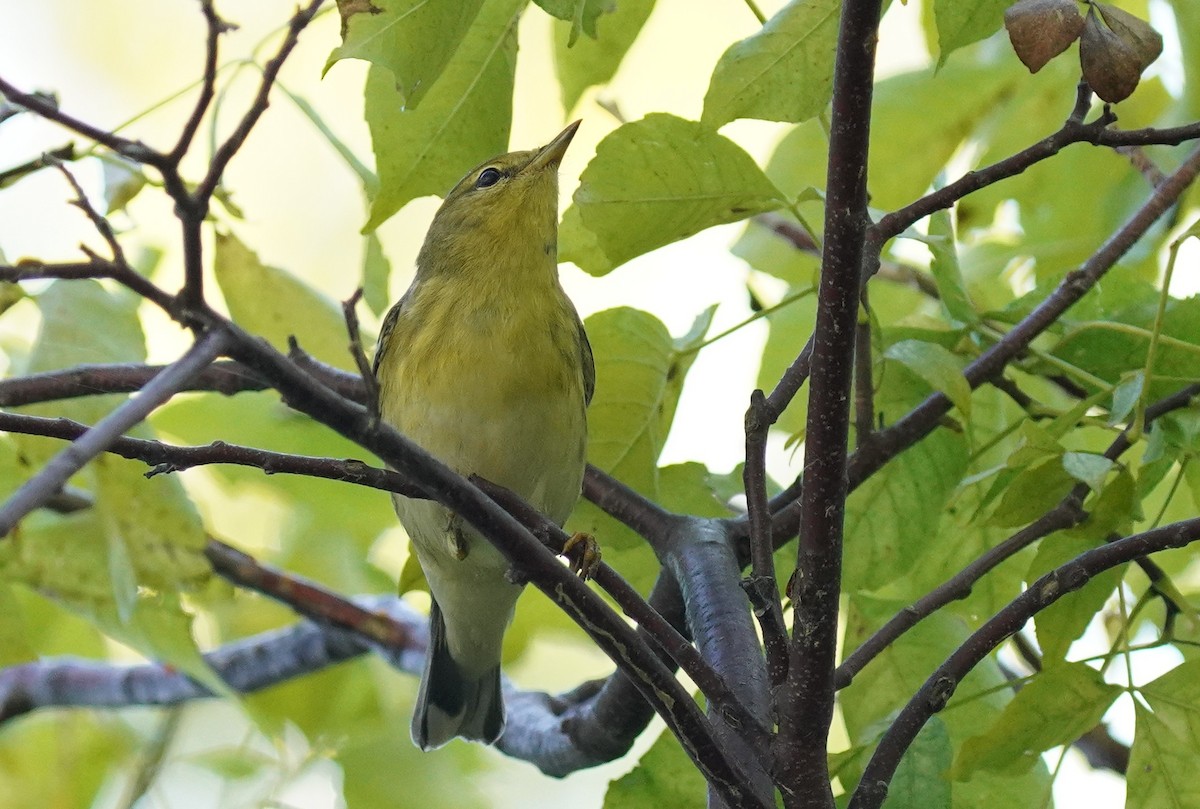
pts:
pixel 484 363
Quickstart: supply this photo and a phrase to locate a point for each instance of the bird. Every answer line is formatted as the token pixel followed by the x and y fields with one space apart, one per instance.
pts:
pixel 484 363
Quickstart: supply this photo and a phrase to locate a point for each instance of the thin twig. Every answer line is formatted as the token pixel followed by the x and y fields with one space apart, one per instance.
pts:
pixel 718 693
pixel 215 27
pixel 358 353
pixel 47 108
pixel 937 690
pixel 167 458
pixel 51 477
pixel 761 585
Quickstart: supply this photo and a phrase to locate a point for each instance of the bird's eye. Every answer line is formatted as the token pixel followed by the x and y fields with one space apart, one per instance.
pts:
pixel 488 177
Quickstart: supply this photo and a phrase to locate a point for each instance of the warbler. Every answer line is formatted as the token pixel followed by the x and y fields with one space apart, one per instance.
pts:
pixel 484 363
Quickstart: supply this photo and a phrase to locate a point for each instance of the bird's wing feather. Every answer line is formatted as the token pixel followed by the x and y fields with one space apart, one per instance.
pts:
pixel 589 363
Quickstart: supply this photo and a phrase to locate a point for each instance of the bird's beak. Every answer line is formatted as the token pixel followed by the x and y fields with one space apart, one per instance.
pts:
pixel 552 153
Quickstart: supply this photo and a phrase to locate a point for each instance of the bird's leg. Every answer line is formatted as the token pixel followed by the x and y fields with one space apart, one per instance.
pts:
pixel 582 551
pixel 458 542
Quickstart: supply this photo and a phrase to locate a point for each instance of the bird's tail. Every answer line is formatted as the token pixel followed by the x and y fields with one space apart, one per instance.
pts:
pixel 451 703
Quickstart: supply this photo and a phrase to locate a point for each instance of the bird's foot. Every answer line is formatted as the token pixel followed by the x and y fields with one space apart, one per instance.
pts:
pixel 582 552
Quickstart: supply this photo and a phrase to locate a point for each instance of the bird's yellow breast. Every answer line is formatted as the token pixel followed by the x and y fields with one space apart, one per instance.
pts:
pixel 494 389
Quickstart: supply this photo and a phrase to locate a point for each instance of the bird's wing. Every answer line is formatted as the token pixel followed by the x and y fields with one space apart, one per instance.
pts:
pixel 589 363
pixel 389 324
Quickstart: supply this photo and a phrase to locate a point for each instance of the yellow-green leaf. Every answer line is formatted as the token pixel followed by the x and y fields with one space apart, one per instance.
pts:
pixel 655 181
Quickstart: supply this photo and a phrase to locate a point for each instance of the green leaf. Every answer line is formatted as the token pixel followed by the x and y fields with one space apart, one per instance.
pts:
pixel 664 777
pixel 15 646
pixel 1175 698
pixel 588 62
pixel 1033 492
pixel 465 117
pixel 783 72
pixel 889 517
pixel 81 749
pixel 1056 707
pixel 920 781
pixel 640 371
pixel 1162 766
pixel 1087 467
pixel 940 369
pixel 413 40
pixel 377 270
pixel 123 180
pixel 961 22
pixel 325 508
pixel 633 358
pixel 275 304
pixel 655 181
pixel 946 270
pixel 1064 621
pixel 915 133
pixel 581 14
pixel 1125 397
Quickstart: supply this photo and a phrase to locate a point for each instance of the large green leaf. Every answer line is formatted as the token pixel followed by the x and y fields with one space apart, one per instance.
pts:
pixel 640 372
pixel 890 517
pixel 783 72
pixel 62 759
pixel 582 15
pixel 1057 707
pixel 464 118
pixel 412 39
pixel 589 62
pixel 1175 697
pixel 941 369
pixel 921 782
pixel 273 303
pixel 961 22
pixel 914 132
pixel 123 562
pixel 664 777
pixel 1162 766
pixel 653 182
pixel 869 703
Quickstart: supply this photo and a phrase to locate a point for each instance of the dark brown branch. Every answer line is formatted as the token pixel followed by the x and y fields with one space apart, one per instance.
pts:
pixel 864 382
pixel 761 585
pixel 51 477
pixel 622 503
pixel 47 108
pixel 655 681
pixel 311 600
pixel 937 690
pixel 1066 514
pixel 358 353
pixel 230 147
pixel 166 458
pixel 680 651
pixel 1074 130
pixel 226 378
pixel 44 160
pixel 923 419
pixel 215 27
pixel 806 699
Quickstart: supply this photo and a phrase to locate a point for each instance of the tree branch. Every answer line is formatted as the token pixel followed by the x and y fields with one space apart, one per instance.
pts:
pixel 937 690
pixel 59 469
pixel 806 700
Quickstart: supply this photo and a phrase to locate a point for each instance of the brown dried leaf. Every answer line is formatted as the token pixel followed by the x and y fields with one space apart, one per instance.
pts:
pixel 1110 66
pixel 1039 30
pixel 1134 32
